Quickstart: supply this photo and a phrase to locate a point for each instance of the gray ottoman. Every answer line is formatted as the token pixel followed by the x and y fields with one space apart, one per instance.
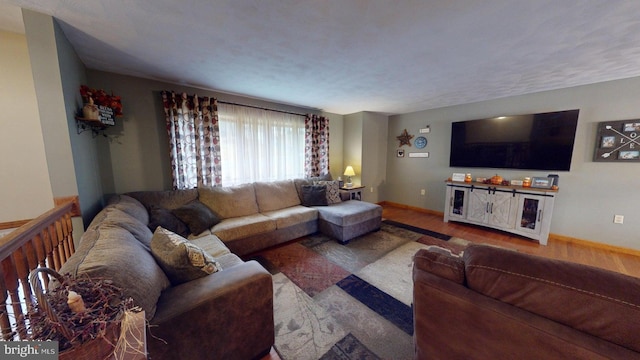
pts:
pixel 348 219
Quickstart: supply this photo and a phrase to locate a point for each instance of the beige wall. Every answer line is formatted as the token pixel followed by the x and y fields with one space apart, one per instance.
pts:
pixel 365 146
pixel 374 160
pixel 26 190
pixel 590 194
pixel 353 146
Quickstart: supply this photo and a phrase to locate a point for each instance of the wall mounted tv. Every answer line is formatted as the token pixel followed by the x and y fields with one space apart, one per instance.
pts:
pixel 534 142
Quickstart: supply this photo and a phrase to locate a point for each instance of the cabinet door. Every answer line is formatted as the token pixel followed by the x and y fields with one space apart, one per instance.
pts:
pixel 530 213
pixel 458 203
pixel 501 210
pixel 478 208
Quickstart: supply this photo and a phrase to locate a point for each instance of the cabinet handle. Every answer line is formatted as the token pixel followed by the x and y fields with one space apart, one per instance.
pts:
pixel 486 208
pixel 540 215
pixel 491 209
pixel 451 201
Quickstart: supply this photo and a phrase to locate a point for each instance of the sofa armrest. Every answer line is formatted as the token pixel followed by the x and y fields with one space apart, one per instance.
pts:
pixel 227 315
pixel 440 262
pixel 452 321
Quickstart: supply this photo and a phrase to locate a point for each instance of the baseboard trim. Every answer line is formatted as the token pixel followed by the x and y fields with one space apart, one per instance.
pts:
pixel 413 208
pixel 552 237
pixel 594 244
pixel 13 224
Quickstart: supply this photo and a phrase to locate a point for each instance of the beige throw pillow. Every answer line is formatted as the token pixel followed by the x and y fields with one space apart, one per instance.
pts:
pixel 180 259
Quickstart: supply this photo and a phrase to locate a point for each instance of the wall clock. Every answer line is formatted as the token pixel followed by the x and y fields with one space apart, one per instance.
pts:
pixel 420 142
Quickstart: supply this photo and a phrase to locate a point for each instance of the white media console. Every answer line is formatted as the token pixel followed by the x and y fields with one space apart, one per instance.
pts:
pixel 520 210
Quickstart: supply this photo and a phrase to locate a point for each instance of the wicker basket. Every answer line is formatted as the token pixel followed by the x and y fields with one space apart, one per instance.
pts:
pixel 99 348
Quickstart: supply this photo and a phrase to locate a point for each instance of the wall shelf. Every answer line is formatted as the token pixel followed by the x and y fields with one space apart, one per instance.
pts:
pixel 84 124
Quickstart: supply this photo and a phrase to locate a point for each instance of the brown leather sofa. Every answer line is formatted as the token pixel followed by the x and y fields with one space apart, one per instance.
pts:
pixel 494 303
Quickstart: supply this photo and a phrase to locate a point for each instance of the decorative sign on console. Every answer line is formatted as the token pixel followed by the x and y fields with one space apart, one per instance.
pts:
pixel 618 141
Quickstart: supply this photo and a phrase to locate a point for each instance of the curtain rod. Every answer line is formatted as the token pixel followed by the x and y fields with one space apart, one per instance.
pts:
pixel 261 108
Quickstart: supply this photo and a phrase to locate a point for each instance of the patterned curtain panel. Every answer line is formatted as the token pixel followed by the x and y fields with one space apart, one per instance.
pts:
pixel 194 140
pixel 316 150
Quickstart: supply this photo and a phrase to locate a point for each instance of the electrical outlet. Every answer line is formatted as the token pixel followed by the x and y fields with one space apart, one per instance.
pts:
pixel 423 192
pixel 618 219
pixel 371 189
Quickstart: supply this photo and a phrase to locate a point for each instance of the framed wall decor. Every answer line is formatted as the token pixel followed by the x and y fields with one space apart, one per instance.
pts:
pixel 618 141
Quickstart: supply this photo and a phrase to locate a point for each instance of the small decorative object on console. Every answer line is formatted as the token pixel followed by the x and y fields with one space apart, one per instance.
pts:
pixel 496 180
pixel 543 183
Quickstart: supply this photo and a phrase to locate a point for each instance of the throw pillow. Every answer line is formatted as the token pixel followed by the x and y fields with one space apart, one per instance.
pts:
pixel 333 191
pixel 314 195
pixel 197 216
pixel 180 259
pixel 159 216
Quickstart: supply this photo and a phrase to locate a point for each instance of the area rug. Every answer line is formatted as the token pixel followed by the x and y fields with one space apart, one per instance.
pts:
pixel 351 301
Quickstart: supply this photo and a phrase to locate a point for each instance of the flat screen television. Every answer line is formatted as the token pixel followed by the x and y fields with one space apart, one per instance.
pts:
pixel 541 141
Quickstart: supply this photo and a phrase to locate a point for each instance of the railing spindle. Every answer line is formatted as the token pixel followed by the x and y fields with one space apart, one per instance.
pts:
pixel 46 241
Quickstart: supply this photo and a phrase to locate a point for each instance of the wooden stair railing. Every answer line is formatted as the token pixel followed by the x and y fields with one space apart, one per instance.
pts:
pixel 45 241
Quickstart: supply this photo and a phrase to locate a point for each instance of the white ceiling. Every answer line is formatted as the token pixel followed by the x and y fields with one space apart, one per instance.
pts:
pixel 346 56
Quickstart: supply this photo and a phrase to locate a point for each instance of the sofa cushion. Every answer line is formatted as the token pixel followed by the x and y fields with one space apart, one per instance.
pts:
pixel 230 201
pixel 168 199
pixel 229 260
pixel 159 216
pixel 111 252
pixel 129 205
pixel 349 213
pixel 333 191
pixel 292 216
pixel 599 302
pixel 212 245
pixel 276 195
pixel 440 262
pixel 242 227
pixel 181 259
pixel 314 195
pixel 116 217
pixel 197 216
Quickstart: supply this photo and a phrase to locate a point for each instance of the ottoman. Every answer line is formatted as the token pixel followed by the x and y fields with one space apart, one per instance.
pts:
pixel 348 219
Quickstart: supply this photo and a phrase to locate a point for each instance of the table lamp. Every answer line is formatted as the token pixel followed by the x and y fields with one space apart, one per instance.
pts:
pixel 348 172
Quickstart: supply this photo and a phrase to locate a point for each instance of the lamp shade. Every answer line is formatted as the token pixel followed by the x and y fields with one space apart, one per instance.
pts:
pixel 349 171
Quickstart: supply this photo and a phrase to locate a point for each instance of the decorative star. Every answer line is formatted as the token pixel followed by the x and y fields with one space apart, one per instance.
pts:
pixel 405 138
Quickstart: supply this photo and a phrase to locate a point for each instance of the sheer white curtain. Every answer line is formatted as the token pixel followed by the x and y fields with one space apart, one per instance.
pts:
pixel 260 145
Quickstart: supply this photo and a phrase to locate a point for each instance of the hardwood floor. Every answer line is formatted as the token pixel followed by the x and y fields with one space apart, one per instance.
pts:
pixel 626 262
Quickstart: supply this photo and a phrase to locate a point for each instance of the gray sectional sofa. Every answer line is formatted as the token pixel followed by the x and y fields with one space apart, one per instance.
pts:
pixel 229 313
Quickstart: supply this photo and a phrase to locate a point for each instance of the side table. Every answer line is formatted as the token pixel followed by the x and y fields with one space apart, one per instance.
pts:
pixel 355 192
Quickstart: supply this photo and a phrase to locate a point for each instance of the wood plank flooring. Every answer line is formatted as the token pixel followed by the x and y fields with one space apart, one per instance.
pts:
pixel 626 262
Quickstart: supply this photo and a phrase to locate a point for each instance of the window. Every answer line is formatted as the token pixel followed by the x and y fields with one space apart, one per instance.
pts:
pixel 260 145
